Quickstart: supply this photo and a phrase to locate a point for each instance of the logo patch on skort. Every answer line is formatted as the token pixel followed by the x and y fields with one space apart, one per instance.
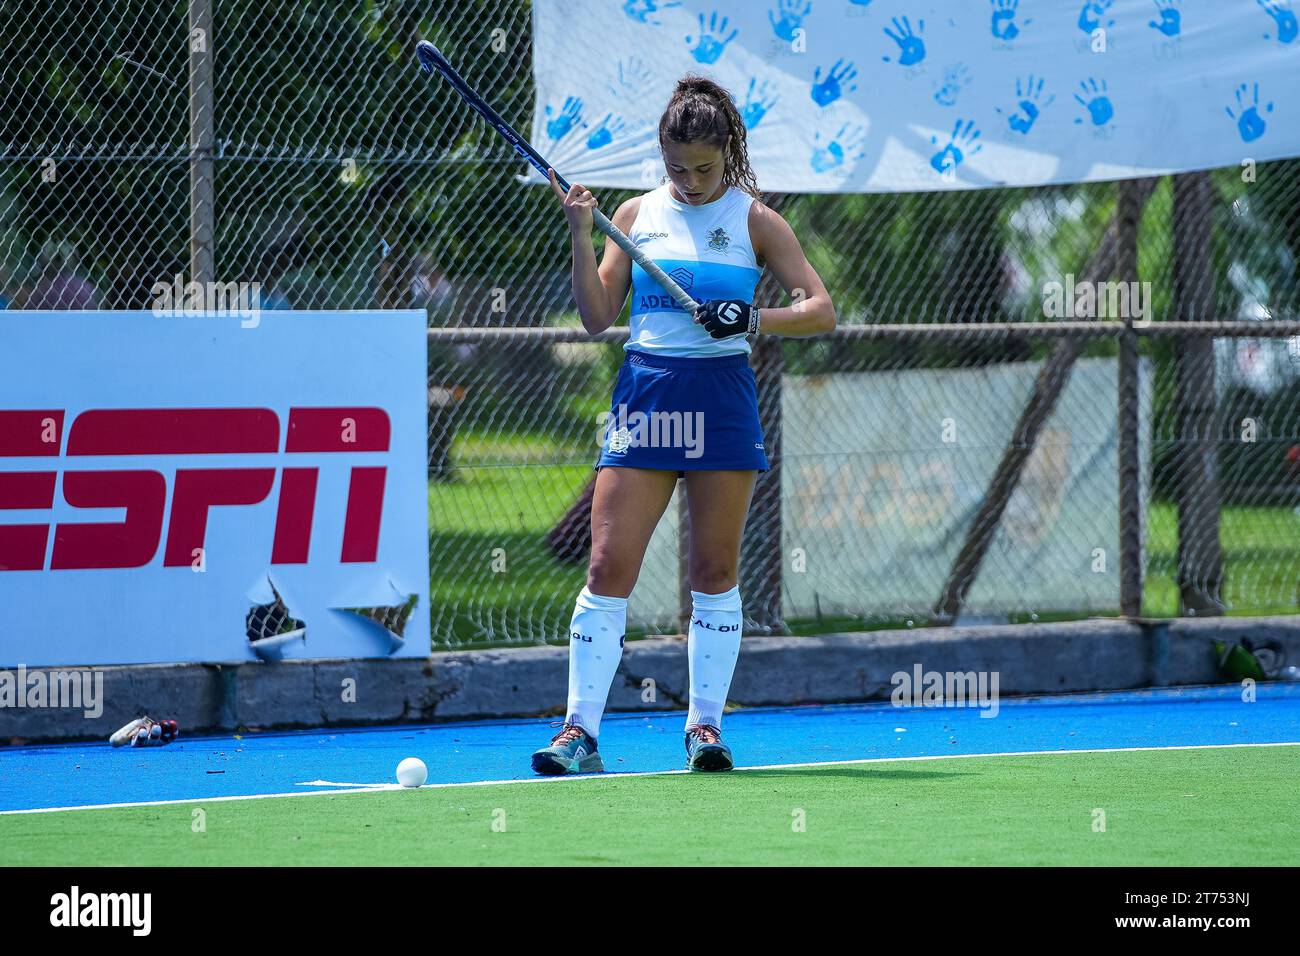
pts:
pixel 620 439
pixel 718 239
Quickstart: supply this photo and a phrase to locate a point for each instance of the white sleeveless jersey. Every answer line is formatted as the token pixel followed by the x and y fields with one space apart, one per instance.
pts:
pixel 707 251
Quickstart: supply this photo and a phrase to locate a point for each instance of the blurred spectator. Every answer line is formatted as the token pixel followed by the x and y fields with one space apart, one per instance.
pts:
pixel 431 290
pixel 570 539
pixel 276 261
pixel 135 289
pixel 273 298
pixel 60 285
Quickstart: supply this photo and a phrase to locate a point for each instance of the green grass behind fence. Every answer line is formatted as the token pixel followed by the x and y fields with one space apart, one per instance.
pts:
pixel 496 509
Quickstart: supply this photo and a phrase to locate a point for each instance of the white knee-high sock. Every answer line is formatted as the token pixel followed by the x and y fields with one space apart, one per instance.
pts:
pixel 595 647
pixel 712 646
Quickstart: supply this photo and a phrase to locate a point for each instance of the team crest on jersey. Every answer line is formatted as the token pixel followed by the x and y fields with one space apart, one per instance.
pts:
pixel 718 239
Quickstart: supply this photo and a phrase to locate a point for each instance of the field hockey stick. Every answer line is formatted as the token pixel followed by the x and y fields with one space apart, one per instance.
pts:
pixel 431 59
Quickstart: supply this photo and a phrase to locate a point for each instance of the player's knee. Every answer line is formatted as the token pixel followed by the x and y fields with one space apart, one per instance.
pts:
pixel 607 576
pixel 708 578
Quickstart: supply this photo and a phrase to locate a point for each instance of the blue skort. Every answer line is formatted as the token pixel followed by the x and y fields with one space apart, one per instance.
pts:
pixel 675 413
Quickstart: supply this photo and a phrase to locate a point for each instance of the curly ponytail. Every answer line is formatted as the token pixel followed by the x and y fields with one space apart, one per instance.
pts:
pixel 701 111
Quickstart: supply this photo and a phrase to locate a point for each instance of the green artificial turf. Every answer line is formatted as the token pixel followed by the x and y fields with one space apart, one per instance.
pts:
pixel 1220 807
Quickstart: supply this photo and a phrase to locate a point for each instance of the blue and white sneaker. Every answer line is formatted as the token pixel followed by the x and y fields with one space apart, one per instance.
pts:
pixel 705 749
pixel 572 750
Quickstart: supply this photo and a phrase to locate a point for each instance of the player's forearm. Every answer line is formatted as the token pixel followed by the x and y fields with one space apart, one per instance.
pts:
pixel 588 291
pixel 812 316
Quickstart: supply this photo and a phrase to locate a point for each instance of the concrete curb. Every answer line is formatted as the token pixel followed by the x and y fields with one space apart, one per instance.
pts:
pixel 1103 654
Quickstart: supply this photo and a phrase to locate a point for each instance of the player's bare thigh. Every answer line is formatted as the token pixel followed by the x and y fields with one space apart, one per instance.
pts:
pixel 719 504
pixel 626 506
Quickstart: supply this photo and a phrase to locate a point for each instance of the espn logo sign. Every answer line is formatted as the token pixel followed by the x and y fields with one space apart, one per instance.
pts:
pixel 134 542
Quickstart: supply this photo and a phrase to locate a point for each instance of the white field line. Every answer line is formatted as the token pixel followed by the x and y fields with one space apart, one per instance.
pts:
pixel 385 787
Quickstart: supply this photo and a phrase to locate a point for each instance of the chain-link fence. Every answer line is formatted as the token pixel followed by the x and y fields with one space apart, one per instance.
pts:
pixel 959 448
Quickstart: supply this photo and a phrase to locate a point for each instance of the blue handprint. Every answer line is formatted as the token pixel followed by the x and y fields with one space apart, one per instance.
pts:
pixel 911 48
pixel 1091 14
pixel 709 47
pixel 1004 19
pixel 955 79
pixel 756 103
pixel 847 144
pixel 964 141
pixel 642 10
pixel 562 123
pixel 1098 101
pixel 633 77
pixel 1280 11
pixel 605 131
pixel 792 14
pixel 1250 124
pixel 1171 19
pixel 1030 104
pixel 827 91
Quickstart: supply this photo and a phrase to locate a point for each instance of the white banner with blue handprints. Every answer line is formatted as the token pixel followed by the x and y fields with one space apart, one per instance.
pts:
pixel 905 95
